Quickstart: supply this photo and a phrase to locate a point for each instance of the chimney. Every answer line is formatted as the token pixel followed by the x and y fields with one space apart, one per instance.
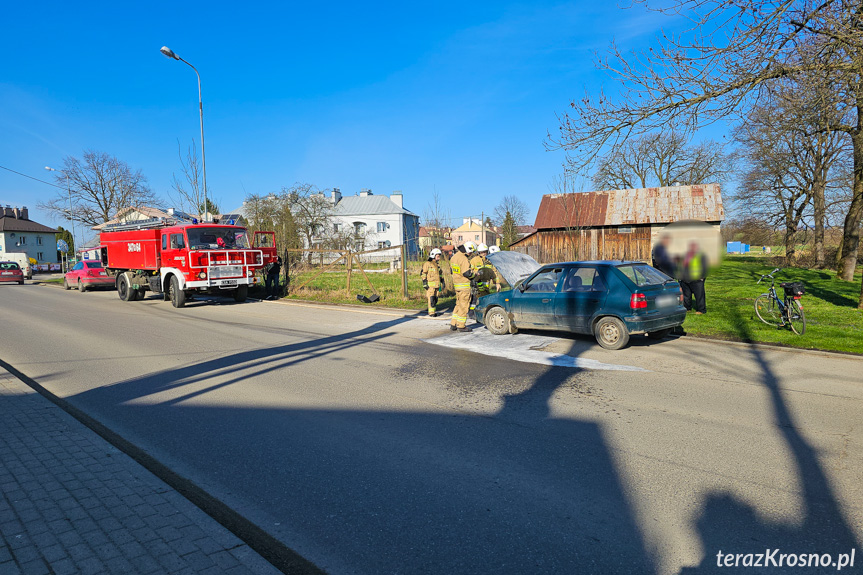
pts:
pixel 397 199
pixel 365 192
pixel 7 211
pixel 24 213
pixel 336 196
pixel 15 213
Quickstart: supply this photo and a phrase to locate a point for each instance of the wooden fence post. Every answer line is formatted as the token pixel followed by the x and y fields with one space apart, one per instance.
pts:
pixel 350 269
pixel 404 272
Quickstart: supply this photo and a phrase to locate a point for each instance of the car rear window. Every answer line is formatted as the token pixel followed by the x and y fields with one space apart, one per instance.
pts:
pixel 643 274
pixel 9 266
pixel 94 265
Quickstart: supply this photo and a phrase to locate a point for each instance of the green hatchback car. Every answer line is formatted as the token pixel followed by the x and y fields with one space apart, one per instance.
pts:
pixel 610 300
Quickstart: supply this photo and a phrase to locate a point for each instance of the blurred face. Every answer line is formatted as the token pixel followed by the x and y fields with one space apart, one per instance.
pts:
pixel 437 257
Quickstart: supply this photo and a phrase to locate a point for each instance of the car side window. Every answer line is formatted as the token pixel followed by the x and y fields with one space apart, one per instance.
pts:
pixel 78 266
pixel 544 282
pixel 177 241
pixel 583 279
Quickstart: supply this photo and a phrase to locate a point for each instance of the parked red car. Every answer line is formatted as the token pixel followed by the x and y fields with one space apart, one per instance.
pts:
pixel 85 275
pixel 11 272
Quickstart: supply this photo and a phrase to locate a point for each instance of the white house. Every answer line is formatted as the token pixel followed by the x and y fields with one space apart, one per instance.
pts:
pixel 379 221
pixel 18 233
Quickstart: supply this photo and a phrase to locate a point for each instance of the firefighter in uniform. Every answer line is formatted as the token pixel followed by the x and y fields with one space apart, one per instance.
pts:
pixel 481 288
pixel 461 279
pixel 432 280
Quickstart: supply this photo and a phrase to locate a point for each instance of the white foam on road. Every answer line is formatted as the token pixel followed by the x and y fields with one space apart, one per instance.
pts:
pixel 521 347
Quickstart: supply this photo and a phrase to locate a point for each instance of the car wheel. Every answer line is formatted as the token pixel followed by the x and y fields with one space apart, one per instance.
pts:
pixel 81 287
pixel 66 285
pixel 178 296
pixel 241 293
pixel 611 333
pixel 660 334
pixel 496 321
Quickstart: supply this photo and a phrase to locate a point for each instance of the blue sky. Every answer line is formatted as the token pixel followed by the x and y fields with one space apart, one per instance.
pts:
pixel 452 97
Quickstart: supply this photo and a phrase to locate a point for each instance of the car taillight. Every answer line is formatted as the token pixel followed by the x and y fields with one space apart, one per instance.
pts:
pixel 638 301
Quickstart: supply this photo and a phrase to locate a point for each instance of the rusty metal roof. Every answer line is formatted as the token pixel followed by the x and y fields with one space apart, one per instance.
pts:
pixel 626 207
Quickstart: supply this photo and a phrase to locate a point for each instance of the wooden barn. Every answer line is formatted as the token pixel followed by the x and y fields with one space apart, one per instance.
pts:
pixel 617 224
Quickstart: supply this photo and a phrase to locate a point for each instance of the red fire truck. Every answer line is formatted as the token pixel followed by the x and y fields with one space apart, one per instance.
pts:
pixel 176 259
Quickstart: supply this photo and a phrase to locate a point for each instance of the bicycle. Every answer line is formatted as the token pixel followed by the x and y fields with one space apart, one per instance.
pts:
pixel 781 312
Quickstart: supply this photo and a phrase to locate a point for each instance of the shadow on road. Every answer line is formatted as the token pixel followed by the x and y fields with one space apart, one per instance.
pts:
pixel 365 491
pixel 728 525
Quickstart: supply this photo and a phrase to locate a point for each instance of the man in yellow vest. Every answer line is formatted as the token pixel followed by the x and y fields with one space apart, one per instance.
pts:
pixel 432 280
pixel 461 279
pixel 694 270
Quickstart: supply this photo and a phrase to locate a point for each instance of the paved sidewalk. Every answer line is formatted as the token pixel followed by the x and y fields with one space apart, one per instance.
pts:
pixel 71 503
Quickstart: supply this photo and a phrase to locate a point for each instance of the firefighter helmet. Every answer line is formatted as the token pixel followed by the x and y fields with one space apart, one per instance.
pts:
pixel 493 249
pixel 469 247
pixel 482 248
pixel 434 252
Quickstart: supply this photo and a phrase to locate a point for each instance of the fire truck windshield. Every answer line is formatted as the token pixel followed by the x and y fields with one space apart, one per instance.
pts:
pixel 211 238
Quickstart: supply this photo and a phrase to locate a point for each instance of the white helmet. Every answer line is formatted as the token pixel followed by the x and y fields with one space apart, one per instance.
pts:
pixel 434 252
pixel 482 248
pixel 493 249
pixel 469 247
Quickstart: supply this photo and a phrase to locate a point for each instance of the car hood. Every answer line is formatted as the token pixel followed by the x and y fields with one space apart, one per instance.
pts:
pixel 513 266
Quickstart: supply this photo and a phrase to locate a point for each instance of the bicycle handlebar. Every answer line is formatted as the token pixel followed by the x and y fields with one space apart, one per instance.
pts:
pixel 770 275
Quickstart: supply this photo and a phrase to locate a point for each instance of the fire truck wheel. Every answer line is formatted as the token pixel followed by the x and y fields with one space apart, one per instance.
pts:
pixel 124 290
pixel 178 296
pixel 241 293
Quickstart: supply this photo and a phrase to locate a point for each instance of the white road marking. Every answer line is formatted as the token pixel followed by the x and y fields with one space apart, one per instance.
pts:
pixel 521 347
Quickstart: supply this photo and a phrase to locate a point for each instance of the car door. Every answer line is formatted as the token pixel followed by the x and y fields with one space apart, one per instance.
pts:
pixel 582 293
pixel 76 273
pixel 533 302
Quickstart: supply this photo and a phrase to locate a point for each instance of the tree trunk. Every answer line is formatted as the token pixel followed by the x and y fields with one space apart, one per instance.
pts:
pixel 851 232
pixel 790 242
pixel 820 209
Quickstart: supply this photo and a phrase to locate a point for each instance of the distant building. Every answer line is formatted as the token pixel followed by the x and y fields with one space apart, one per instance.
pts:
pixel 140 213
pixel 376 222
pixel 475 231
pixel 19 234
pixel 617 224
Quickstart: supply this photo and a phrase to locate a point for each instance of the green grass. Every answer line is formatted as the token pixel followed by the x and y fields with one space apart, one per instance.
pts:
pixel 330 287
pixel 833 321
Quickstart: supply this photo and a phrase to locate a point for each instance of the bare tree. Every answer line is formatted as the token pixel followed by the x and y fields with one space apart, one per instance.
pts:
pixel 515 207
pixel 312 211
pixel 189 187
pixel 436 218
pixel 721 66
pixel 662 159
pixel 100 186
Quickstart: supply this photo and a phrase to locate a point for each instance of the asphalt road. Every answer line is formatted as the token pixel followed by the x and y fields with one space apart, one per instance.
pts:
pixel 377 443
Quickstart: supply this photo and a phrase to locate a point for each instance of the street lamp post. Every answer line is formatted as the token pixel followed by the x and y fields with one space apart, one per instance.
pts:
pixel 170 54
pixel 71 219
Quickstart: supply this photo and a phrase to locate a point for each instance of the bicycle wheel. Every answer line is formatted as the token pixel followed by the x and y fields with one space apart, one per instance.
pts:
pixel 796 317
pixel 767 310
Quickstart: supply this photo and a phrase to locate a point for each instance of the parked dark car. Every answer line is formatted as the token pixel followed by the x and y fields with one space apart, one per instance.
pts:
pixel 11 272
pixel 610 300
pixel 87 274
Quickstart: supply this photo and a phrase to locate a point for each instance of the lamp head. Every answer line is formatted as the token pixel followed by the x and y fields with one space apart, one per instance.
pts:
pixel 168 52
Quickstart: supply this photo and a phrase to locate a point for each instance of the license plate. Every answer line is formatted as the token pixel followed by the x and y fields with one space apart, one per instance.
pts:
pixel 666 301
pixel 103 273
pixel 227 282
pixel 7 273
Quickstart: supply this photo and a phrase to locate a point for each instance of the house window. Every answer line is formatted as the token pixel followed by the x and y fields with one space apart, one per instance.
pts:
pixel 624 230
pixel 382 227
pixel 382 245
pixel 336 228
pixel 460 239
pixel 359 228
pixel 39 256
pixel 39 241
pixel 22 240
pixel 476 237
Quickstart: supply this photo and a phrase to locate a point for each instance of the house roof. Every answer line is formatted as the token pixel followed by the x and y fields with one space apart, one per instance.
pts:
pixel 368 206
pixel 12 224
pixel 524 230
pixel 637 206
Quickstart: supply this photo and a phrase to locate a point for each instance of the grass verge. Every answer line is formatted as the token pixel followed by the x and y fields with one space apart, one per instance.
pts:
pixel 833 321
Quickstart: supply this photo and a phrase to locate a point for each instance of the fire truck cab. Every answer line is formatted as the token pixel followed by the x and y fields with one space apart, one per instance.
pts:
pixel 178 259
